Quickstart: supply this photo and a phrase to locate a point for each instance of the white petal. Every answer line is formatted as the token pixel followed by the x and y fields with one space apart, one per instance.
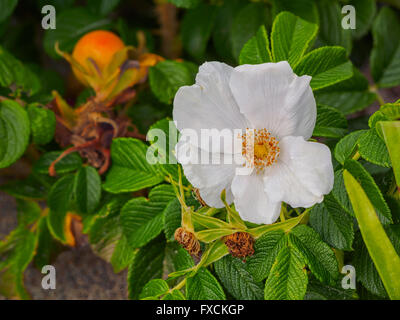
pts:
pixel 271 96
pixel 251 201
pixel 302 175
pixel 211 179
pixel 209 103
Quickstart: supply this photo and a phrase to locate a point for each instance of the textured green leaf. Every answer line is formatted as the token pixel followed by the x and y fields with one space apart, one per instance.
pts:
pixel 69 163
pixel 204 286
pixel 154 289
pixel 59 202
pixel 346 147
pixel 365 12
pixel 373 149
pixel 318 255
pixel 256 50
pixel 333 224
pixel 266 248
pixel 16 252
pixel 43 124
pixel 196 30
pixel 326 65
pixel 330 123
pixel 385 55
pixel 340 194
pixel 319 291
pixel 130 170
pixel 305 9
pixel 371 190
pixel 387 112
pixel 237 280
pixel 29 188
pixel 17 76
pixel 167 77
pixel 331 32
pixel 174 295
pixel 348 96
pixel 291 37
pixel 245 25
pixel 380 248
pixel 146 265
pixel 72 24
pixel 87 189
pixel 142 219
pixel 14 132
pixel 287 279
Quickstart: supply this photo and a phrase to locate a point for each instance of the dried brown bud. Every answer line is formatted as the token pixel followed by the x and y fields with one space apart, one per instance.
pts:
pixel 240 244
pixel 188 241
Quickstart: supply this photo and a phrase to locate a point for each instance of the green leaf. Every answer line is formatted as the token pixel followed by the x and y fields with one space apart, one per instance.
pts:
pixel 130 170
pixel 69 163
pixel 346 146
pixel 326 65
pixel 291 37
pixel 174 295
pixel 318 255
pixel 331 123
pixel 6 8
pixel 365 10
pixel 87 189
pixel 245 25
pixel 348 96
pixel 196 30
pixel 16 76
pixel 102 7
pixel 154 289
pixel 178 258
pixel 287 279
pixel 16 252
pixel 14 132
pixel 366 271
pixel 380 248
pixel 266 249
pixel 106 236
pixel 237 280
pixel 59 202
pixel 28 212
pixel 371 190
pixel 167 77
pixel 373 149
pixel 142 219
pixel 187 4
pixel 385 55
pixel 391 134
pixel 387 112
pixel 47 247
pixel 256 50
pixel 146 265
pixel 72 24
pixel 29 188
pixel 305 9
pixel 331 32
pixel 43 124
pixel 319 291
pixel 340 194
pixel 333 224
pixel 204 286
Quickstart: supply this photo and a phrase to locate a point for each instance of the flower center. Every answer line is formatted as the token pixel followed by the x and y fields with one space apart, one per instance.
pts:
pixel 265 149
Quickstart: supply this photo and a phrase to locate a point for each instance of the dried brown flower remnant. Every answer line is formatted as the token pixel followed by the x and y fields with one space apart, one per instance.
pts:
pixel 188 241
pixel 240 244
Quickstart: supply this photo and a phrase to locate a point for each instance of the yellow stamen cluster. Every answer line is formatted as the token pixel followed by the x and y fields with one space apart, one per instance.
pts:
pixel 265 149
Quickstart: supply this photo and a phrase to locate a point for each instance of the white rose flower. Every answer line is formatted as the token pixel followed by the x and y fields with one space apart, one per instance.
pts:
pixel 281 109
